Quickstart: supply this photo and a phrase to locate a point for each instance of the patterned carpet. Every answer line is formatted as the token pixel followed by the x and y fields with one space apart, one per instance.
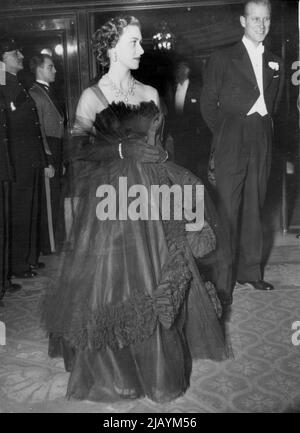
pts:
pixel 264 376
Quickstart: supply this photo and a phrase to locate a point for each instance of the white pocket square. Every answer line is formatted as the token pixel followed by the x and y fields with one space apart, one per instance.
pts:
pixel 193 100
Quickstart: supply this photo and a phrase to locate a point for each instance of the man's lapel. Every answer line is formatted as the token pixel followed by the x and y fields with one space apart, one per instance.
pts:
pixel 42 86
pixel 46 92
pixel 267 71
pixel 243 63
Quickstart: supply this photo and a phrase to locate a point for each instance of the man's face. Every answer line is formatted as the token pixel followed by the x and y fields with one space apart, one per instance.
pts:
pixel 13 61
pixel 47 71
pixel 256 22
pixel 182 73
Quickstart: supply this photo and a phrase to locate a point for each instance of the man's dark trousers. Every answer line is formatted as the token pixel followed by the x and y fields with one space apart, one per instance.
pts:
pixel 241 146
pixel 241 170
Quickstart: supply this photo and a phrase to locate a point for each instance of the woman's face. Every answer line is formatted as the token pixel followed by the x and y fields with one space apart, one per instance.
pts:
pixel 128 48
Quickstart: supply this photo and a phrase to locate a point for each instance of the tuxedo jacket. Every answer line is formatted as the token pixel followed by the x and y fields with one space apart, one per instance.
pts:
pixel 191 119
pixel 23 129
pixel 230 87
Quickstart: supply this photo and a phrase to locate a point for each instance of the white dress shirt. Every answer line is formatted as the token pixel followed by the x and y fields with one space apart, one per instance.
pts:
pixel 2 74
pixel 256 57
pixel 180 95
pixel 43 82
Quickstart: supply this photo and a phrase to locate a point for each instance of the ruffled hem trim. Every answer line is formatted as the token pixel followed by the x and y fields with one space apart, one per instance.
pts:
pixel 134 320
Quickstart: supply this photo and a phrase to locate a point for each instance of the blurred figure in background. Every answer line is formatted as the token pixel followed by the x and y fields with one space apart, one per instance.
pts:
pixel 190 133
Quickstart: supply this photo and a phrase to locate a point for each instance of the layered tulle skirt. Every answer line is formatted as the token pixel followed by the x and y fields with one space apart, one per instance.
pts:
pixel 129 309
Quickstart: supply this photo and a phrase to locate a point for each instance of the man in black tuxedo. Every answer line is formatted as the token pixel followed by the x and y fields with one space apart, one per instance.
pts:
pixel 240 94
pixel 190 133
pixel 52 127
pixel 27 157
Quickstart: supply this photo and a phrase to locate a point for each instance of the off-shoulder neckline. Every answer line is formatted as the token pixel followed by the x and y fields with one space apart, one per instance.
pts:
pixel 120 107
pixel 134 107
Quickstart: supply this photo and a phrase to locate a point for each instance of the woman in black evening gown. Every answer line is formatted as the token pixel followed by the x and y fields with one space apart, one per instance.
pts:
pixel 129 309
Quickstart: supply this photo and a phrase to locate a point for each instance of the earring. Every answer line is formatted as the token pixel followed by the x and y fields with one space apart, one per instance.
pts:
pixel 115 58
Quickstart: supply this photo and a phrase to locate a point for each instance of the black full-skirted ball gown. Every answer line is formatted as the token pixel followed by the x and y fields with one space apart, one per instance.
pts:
pixel 130 309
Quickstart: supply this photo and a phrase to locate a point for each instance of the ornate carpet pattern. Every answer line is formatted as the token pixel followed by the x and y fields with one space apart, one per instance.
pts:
pixel 264 375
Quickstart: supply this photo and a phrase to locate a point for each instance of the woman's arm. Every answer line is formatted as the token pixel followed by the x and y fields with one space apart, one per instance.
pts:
pixel 90 147
pixel 104 149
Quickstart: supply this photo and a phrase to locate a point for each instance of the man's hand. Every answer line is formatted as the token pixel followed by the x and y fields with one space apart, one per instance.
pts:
pixel 49 171
pixel 137 149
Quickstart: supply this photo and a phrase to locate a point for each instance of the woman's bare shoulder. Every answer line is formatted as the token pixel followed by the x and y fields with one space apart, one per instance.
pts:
pixel 89 97
pixel 89 104
pixel 149 92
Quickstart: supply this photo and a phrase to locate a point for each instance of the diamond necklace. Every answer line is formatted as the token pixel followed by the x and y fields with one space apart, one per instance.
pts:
pixel 119 92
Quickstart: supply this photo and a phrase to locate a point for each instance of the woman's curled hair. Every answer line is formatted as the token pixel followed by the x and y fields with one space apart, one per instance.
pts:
pixel 107 36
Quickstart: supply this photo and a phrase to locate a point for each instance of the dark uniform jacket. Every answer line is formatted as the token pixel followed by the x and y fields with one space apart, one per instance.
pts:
pixel 24 135
pixel 5 161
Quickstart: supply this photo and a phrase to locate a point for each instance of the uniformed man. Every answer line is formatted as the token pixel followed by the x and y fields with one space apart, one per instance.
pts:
pixel 6 176
pixel 52 127
pixel 28 158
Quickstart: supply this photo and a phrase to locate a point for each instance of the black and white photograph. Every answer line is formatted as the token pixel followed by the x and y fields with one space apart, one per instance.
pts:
pixel 149 209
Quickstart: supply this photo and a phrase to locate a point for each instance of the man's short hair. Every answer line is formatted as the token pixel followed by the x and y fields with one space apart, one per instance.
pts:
pixel 37 61
pixel 266 3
